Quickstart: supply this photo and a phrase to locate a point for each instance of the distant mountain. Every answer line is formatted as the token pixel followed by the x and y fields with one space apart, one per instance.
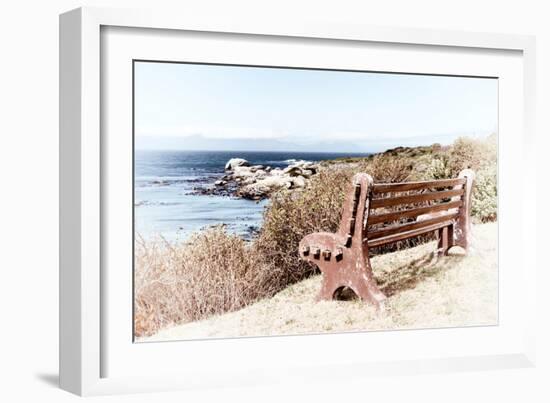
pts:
pixel 198 142
pixel 297 143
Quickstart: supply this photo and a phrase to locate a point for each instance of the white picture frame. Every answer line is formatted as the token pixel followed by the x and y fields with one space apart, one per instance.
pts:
pixel 86 303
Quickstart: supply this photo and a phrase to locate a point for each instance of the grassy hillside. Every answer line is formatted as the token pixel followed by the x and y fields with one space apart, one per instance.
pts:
pixel 216 272
pixel 423 292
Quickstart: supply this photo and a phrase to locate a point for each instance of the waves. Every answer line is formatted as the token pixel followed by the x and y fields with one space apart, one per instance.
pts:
pixel 159 181
pixel 284 162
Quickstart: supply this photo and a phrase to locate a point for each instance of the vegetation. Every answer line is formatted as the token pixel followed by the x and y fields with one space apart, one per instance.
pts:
pixel 216 272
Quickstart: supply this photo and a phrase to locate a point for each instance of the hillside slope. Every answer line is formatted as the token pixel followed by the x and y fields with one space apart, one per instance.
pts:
pixel 423 292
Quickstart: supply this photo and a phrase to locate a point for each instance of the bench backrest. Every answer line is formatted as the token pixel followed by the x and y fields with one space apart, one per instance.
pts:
pixel 382 213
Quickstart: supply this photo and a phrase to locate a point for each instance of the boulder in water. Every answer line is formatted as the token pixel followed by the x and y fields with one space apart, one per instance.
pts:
pixel 236 162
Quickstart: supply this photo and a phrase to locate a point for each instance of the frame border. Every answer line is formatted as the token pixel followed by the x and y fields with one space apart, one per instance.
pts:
pixel 80 164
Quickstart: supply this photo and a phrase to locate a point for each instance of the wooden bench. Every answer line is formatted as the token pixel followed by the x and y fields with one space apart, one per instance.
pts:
pixel 383 213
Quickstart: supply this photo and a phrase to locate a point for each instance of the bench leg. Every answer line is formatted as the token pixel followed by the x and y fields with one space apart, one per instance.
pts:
pixel 365 287
pixel 357 276
pixel 444 242
pixel 328 288
pixel 461 231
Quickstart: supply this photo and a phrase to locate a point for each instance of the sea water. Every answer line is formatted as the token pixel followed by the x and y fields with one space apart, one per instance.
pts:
pixel 165 203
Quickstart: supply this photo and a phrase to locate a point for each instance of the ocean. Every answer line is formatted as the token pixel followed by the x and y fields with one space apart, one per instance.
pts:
pixel 165 204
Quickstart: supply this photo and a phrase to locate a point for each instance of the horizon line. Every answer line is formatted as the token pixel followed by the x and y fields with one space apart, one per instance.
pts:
pixel 262 151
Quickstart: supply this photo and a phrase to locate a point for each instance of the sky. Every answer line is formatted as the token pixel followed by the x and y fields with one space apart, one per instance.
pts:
pixel 207 107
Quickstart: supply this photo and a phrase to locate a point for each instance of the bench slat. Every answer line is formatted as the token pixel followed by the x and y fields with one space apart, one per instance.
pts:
pixel 395 229
pixel 405 235
pixel 404 186
pixel 417 198
pixel 410 213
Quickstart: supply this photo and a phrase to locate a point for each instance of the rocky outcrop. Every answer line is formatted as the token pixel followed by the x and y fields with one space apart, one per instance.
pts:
pixel 258 182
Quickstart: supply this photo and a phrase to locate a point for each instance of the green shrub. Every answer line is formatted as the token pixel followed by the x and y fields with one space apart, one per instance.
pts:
pixel 438 168
pixel 481 156
pixel 484 197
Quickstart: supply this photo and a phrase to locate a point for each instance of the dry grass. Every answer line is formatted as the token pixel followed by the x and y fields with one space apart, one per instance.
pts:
pixel 423 292
pixel 214 273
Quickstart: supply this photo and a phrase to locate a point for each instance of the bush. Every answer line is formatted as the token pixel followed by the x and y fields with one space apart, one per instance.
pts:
pixel 388 168
pixel 479 155
pixel 439 168
pixel 213 273
pixel 484 197
pixel 472 153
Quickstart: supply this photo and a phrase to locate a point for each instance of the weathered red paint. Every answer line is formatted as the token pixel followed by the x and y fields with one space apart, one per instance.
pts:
pixel 348 264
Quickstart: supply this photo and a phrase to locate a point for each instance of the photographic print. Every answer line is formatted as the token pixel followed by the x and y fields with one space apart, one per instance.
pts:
pixel 274 201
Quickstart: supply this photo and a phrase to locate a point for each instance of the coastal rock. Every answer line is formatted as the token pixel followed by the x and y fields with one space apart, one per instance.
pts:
pixel 264 187
pixel 160 183
pixel 255 168
pixel 236 162
pixel 293 170
pixel 308 165
pixel 301 168
pixel 258 182
pixel 260 173
pixel 242 172
pixel 298 182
